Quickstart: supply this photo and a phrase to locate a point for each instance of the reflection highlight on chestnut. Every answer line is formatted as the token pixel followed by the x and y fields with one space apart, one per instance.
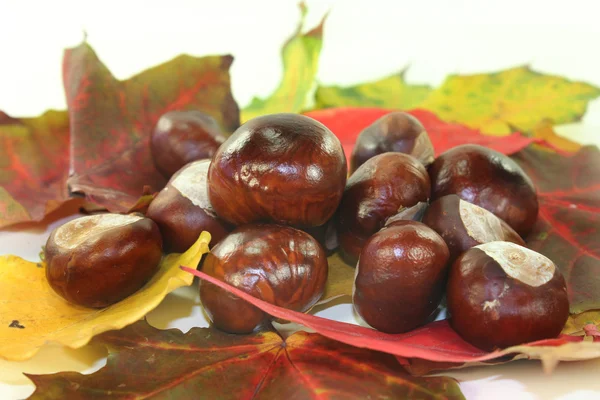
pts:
pixel 278 264
pixel 182 209
pixel 282 168
pixel 501 294
pixel 400 277
pixel 394 132
pixel 99 260
pixel 489 179
pixel 463 225
pixel 377 190
pixel 181 137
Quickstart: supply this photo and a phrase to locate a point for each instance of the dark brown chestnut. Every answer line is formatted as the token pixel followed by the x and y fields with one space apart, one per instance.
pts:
pixel 282 168
pixel 464 225
pixel 377 190
pixel 182 209
pixel 98 260
pixel 400 277
pixel 278 264
pixel 394 132
pixel 181 137
pixel 501 294
pixel 488 179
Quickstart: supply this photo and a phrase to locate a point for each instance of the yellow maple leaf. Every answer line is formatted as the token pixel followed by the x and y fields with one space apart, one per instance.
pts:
pixel 32 315
pixel 340 279
pixel 389 92
pixel 517 98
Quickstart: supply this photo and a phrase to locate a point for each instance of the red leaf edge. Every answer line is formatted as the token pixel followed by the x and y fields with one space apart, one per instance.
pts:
pixel 400 345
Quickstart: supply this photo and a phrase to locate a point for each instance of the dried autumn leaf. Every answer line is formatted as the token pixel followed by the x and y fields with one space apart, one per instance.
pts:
pixel 34 166
pixel 348 122
pixel 390 92
pixel 435 341
pixel 149 363
pixel 300 55
pixel 32 315
pixel 516 98
pixel 111 120
pixel 568 227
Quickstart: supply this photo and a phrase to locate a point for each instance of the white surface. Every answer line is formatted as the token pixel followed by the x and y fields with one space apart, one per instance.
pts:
pixel 363 40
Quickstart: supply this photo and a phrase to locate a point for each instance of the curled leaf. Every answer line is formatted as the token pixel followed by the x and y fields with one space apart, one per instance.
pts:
pixel 146 362
pixel 32 315
pixel 300 57
pixel 435 341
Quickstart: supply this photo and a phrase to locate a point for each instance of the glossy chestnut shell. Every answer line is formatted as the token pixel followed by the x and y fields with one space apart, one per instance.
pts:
pixel 394 132
pixel 278 264
pixel 282 168
pixel 400 277
pixel 377 190
pixel 501 294
pixel 181 137
pixel 463 225
pixel 98 260
pixel 488 179
pixel 182 209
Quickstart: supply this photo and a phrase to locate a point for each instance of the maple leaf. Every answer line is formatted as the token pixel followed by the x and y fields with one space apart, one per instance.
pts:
pixel 34 168
pixel 568 227
pixel 205 363
pixel 300 55
pixel 111 120
pixel 390 92
pixel 516 98
pixel 28 322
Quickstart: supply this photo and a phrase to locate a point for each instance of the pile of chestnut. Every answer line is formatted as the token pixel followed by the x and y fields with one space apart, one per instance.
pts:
pixel 277 200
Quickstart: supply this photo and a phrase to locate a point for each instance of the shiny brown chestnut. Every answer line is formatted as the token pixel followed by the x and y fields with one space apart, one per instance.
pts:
pixel 489 179
pixel 181 137
pixel 377 190
pixel 282 168
pixel 501 294
pixel 400 277
pixel 463 225
pixel 394 132
pixel 99 260
pixel 182 209
pixel 278 264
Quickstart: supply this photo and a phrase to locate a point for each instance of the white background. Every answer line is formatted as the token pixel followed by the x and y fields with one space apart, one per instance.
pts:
pixel 363 40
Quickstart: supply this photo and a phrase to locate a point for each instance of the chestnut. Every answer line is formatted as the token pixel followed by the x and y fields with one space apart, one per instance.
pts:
pixel 464 225
pixel 488 179
pixel 181 137
pixel 182 209
pixel 278 264
pixel 283 168
pixel 501 294
pixel 394 132
pixel 98 260
pixel 400 277
pixel 376 191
